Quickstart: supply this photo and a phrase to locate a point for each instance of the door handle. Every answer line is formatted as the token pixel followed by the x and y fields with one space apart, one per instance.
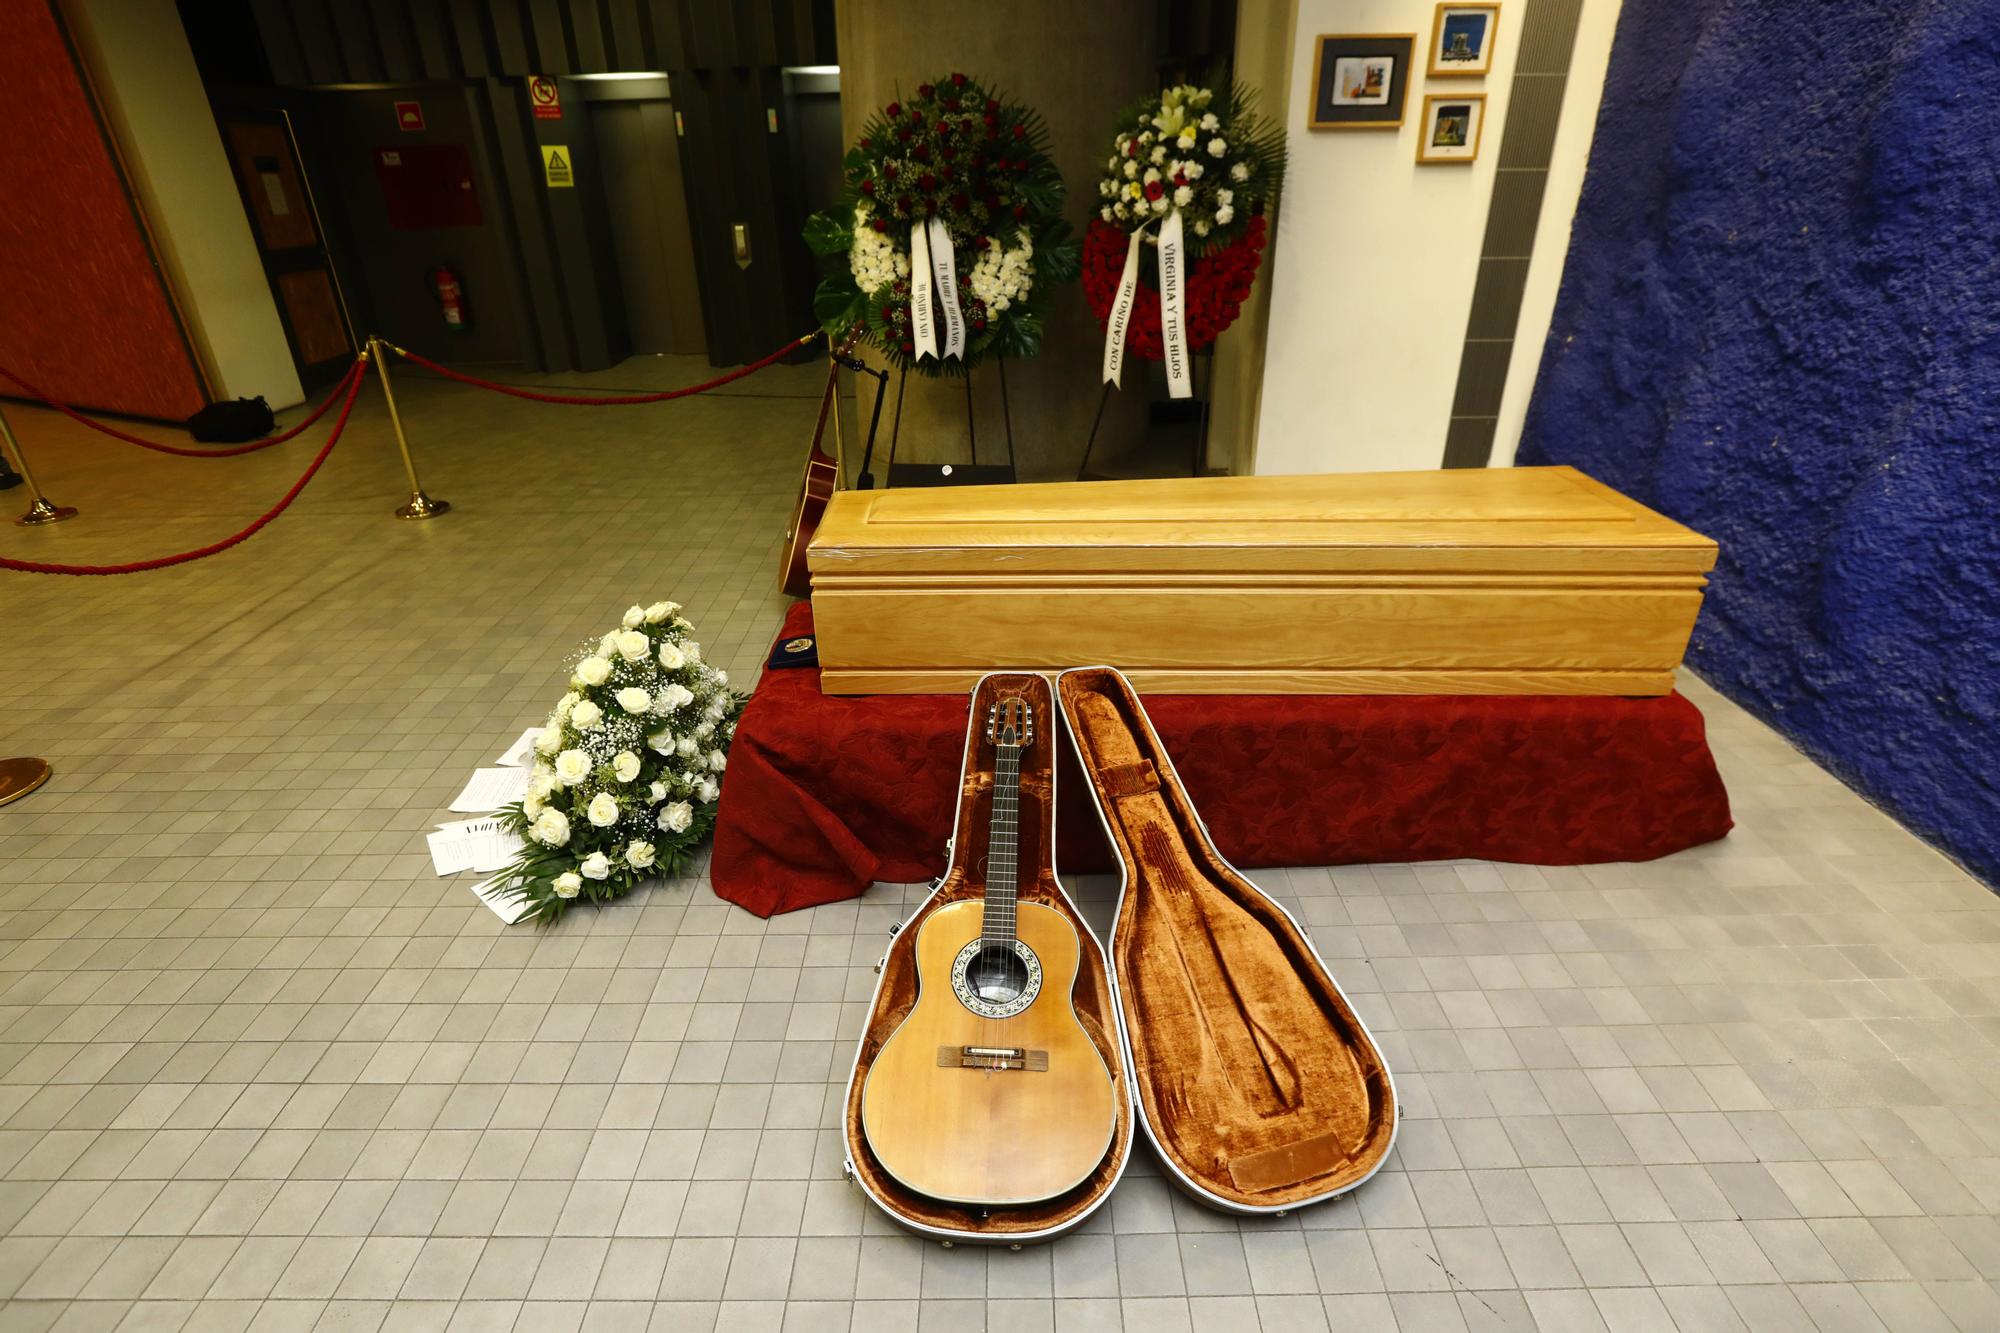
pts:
pixel 739 243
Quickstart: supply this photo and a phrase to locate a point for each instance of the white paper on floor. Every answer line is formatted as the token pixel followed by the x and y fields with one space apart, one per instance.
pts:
pixel 518 753
pixel 491 788
pixel 508 909
pixel 473 844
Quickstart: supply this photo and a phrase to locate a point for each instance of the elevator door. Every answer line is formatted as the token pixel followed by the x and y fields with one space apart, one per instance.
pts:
pixel 649 224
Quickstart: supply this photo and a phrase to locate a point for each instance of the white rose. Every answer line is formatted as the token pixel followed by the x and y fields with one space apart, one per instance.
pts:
pixel 596 866
pixel 686 748
pixel 659 611
pixel 572 767
pixel 634 700
pixel 677 817
pixel 1223 214
pixel 1161 204
pixel 567 702
pixel 549 741
pixel 1216 148
pixel 1105 212
pixel 639 855
pixel 1131 168
pixel 635 616
pixel 551 828
pixel 1201 228
pixel 631 644
pixel 531 805
pixel 717 760
pixel 603 809
pixel 1187 137
pixel 593 671
pixel 717 706
pixel 585 716
pixel 1183 196
pixel 705 730
pixel 661 743
pixel 1240 172
pixel 1210 123
pixel 721 677
pixel 659 792
pixel 692 650
pixel 625 765
pixel 606 645
pixel 707 789
pixel 673 696
pixel 568 884
pixel 542 782
pixel 1194 170
pixel 671 657
pixel 1225 196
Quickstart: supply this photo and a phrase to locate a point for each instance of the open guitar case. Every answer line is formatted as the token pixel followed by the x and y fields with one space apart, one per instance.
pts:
pixel 1232 1046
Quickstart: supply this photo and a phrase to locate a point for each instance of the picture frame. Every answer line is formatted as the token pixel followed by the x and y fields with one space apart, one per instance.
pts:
pixel 1450 128
pixel 1361 81
pixel 1462 38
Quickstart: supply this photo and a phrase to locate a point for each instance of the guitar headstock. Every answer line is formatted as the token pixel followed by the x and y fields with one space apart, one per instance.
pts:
pixel 1011 721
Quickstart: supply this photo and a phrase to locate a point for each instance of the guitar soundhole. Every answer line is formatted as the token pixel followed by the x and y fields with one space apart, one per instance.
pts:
pixel 997 974
pixel 996 980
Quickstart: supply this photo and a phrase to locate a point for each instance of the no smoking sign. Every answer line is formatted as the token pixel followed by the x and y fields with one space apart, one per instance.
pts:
pixel 544 97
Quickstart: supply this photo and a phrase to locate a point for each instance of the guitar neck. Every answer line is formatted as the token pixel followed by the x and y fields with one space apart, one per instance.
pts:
pixel 1002 864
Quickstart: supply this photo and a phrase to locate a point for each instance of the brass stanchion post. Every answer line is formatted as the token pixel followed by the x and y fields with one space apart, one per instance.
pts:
pixel 420 505
pixel 39 510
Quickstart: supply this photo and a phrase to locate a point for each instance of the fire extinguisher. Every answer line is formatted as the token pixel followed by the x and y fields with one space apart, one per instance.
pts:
pixel 450 297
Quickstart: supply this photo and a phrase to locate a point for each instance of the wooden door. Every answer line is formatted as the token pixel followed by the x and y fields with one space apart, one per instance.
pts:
pixel 279 201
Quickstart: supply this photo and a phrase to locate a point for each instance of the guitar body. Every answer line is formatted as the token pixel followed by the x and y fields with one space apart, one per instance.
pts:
pixel 970 1108
pixel 822 476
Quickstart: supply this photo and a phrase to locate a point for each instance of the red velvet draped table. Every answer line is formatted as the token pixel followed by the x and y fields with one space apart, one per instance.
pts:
pixel 826 794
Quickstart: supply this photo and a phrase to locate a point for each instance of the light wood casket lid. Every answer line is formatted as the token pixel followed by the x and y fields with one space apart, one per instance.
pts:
pixel 1461 519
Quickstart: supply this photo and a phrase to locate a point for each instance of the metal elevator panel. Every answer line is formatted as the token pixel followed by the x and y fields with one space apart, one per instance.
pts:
pixel 649 225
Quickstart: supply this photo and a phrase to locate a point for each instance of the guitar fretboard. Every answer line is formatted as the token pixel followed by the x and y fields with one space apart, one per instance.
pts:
pixel 997 925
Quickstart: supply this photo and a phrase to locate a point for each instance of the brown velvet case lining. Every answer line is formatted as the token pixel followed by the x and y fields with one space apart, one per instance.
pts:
pixel 1258 1081
pixel 897 994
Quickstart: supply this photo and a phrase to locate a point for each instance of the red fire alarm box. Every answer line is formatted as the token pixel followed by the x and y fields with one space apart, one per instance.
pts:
pixel 427 186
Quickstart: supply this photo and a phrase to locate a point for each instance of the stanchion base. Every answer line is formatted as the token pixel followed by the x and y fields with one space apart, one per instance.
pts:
pixel 41 511
pixel 422 506
pixel 18 777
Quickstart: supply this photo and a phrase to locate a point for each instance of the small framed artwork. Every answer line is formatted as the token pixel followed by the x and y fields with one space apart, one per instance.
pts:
pixel 1360 82
pixel 1451 128
pixel 1462 40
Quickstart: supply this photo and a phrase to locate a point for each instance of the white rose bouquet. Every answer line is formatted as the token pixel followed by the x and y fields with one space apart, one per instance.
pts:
pixel 627 769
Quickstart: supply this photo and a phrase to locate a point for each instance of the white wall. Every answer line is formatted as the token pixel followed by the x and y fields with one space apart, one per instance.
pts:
pixel 152 96
pixel 1574 131
pixel 1375 263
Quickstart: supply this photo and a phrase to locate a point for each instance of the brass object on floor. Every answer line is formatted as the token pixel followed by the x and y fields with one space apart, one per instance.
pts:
pixel 40 511
pixel 420 505
pixel 20 776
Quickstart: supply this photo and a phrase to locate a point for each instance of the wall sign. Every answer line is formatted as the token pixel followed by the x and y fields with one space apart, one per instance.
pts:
pixel 410 116
pixel 556 166
pixel 544 97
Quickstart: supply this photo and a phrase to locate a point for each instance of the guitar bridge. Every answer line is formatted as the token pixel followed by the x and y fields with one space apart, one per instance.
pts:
pixel 992 1057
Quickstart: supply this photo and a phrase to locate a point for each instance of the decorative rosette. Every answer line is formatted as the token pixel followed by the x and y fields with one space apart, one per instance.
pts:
pixel 950 230
pixel 628 769
pixel 1190 176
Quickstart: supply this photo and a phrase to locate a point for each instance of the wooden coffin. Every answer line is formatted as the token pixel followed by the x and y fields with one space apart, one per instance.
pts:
pixel 1467 581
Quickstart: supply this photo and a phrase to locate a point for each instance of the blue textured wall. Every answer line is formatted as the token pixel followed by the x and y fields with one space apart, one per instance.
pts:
pixel 1780 323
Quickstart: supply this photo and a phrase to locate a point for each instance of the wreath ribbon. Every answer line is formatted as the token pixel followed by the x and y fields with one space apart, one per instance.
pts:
pixel 1121 312
pixel 1173 308
pixel 938 325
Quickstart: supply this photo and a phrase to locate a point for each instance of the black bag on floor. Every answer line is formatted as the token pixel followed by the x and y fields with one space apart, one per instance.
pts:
pixel 239 422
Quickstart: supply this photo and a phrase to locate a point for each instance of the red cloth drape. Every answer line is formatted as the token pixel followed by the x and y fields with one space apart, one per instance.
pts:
pixel 828 793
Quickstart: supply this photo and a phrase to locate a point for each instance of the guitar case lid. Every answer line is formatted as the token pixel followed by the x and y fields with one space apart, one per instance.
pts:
pixel 1255 1078
pixel 896 989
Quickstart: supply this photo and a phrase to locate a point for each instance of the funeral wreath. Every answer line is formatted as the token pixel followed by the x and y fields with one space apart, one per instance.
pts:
pixel 626 771
pixel 950 232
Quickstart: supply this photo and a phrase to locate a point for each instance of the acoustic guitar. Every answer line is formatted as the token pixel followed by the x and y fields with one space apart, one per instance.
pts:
pixel 990 1093
pixel 822 477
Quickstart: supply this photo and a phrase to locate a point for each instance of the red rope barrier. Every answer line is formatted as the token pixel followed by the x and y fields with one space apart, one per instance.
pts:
pixel 161 562
pixel 358 367
pixel 533 396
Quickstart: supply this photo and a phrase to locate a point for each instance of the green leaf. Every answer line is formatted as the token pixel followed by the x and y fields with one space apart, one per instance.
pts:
pixel 829 233
pixel 838 304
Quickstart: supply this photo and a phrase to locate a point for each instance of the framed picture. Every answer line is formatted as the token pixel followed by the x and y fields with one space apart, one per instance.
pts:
pixel 1462 40
pixel 1451 128
pixel 1360 82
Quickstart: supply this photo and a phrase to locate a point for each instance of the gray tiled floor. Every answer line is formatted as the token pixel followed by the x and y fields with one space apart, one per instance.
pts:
pixel 258 1068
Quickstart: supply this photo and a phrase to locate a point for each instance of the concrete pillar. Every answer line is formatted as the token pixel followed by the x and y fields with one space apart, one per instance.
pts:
pixel 1079 65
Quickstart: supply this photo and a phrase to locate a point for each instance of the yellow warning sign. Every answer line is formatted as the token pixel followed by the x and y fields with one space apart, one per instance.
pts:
pixel 555 165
